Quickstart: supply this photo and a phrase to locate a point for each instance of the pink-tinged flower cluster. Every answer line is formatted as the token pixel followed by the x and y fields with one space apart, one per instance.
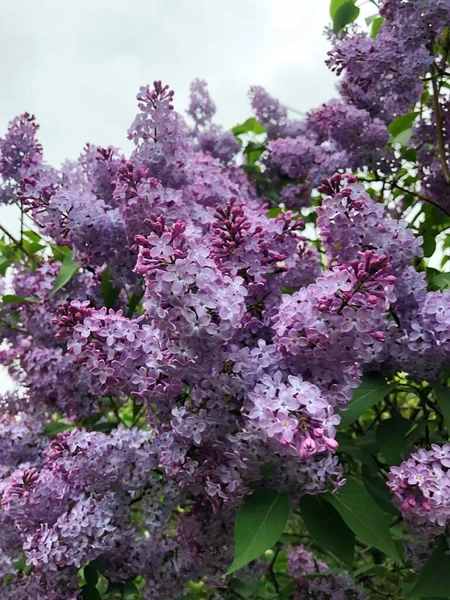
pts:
pixel 350 221
pixel 420 488
pixel 185 290
pixel 293 413
pixel 123 354
pixel 329 329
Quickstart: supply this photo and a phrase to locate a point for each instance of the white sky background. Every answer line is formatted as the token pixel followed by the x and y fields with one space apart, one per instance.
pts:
pixel 78 64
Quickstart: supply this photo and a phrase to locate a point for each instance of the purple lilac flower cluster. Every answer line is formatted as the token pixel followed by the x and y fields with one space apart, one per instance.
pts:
pixel 420 488
pixel 232 337
pixel 382 74
pixel 323 586
pixel 20 154
pixel 336 136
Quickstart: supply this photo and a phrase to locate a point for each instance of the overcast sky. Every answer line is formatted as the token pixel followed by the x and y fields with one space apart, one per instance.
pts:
pixel 78 64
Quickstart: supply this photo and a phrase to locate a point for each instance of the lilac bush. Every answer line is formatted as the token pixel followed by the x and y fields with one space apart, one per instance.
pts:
pixel 230 351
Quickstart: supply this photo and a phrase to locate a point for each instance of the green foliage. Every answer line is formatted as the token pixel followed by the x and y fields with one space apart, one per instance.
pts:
pixel 90 575
pixel 356 448
pixel 68 269
pixel 376 26
pixel 402 123
pixel 14 299
pixel 434 577
pixel 442 280
pixel 259 524
pixel 443 399
pixel 251 125
pixel 376 486
pixel 395 435
pixel 401 128
pixel 364 517
pixel 328 529
pixel 373 389
pixel 55 427
pixel 343 12
pixel 110 293
pixel 90 593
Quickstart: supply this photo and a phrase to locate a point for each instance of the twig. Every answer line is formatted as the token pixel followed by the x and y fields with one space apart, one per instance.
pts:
pixel 439 127
pixel 21 222
pixel 423 198
pixel 294 110
pixel 15 241
pixel 271 572
pixel 13 327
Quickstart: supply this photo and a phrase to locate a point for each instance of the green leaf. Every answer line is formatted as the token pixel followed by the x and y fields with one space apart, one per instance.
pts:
pixel 378 489
pixel 395 435
pixel 60 252
pixel 109 292
pixel 403 137
pixel 442 280
pixel 32 247
pixel 55 427
pixel 253 152
pixel 376 25
pixel 335 5
pixel 14 299
pixel 106 427
pixel 92 419
pixel 372 570
pixel 343 12
pixel 354 448
pixel 434 577
pixel 402 123
pixel 32 235
pixel 373 389
pixel 130 590
pixel 90 575
pixel 4 264
pixel 258 526
pixel 429 242
pixel 250 125
pixel 90 593
pixel 133 303
pixel 68 269
pixel 443 400
pixel 409 154
pixel 370 20
pixel 327 528
pixel 364 517
pixel 274 212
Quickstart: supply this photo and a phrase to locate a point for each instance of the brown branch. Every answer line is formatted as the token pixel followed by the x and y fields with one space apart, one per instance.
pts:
pixel 15 241
pixel 13 327
pixel 421 197
pixel 440 128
